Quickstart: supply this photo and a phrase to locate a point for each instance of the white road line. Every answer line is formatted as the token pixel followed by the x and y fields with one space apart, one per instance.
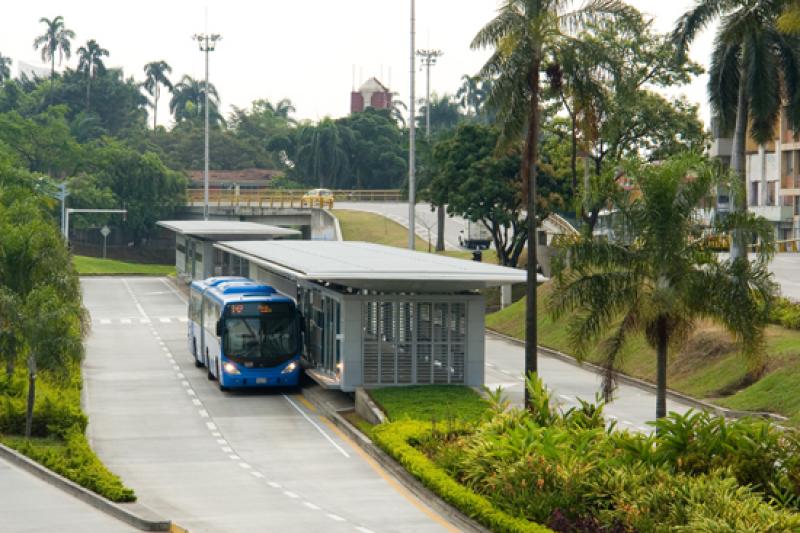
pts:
pixel 105 321
pixel 312 506
pixel 335 517
pixel 203 413
pixel 135 300
pixel 211 426
pixel 290 494
pixel 164 320
pixel 627 423
pixel 234 457
pixel 222 441
pixel 164 348
pixel 216 434
pixel 183 319
pixel 125 320
pixel 245 466
pixel 185 383
pixel 144 321
pixel 274 485
pixel 176 367
pixel 197 402
pixel 566 398
pixel 257 474
pixel 190 392
pixel 180 375
pixel 227 449
pixel 490 365
pixel 363 529
pixel 316 426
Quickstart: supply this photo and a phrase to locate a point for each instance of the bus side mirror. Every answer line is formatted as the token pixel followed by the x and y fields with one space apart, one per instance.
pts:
pixel 219 328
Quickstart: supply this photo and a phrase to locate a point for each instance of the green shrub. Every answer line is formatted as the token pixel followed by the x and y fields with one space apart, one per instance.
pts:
pixel 55 411
pixel 395 439
pixel 75 460
pixel 786 313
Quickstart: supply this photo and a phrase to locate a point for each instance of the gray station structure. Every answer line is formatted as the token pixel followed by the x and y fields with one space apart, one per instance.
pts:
pixel 195 255
pixel 377 315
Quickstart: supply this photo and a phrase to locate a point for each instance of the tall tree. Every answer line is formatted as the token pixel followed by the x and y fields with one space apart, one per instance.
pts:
pixel 5 69
pixel 755 69
pixel 522 35
pixel 55 41
pixel 188 102
pixel 660 277
pixel 323 152
pixel 155 76
pixel 90 64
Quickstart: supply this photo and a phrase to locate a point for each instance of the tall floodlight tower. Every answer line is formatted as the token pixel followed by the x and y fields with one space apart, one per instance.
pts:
pixel 428 59
pixel 412 193
pixel 208 43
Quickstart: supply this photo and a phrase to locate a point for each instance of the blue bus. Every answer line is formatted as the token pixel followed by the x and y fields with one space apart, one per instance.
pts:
pixel 246 334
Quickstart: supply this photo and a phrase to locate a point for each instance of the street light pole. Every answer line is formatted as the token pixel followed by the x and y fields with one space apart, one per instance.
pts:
pixel 207 44
pixel 412 193
pixel 428 58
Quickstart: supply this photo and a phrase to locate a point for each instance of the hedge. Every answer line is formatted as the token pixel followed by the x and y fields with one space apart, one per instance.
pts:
pixel 395 439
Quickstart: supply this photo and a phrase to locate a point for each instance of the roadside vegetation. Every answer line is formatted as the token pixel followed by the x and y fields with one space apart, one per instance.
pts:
pixel 513 469
pixel 42 327
pixel 95 266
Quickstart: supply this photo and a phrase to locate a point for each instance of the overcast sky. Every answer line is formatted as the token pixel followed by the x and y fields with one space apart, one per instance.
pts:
pixel 305 50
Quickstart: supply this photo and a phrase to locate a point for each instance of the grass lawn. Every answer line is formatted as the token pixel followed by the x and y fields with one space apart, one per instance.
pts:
pixel 96 266
pixel 430 402
pixel 708 365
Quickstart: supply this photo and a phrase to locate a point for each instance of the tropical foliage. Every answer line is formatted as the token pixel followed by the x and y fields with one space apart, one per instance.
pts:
pixel 657 276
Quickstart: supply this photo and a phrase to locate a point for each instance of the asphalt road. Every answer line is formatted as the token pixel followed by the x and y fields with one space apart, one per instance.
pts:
pixel 214 461
pixel 28 504
pixel 631 408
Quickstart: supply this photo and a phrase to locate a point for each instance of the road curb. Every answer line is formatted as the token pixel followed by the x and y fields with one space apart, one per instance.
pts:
pixel 95 500
pixel 412 484
pixel 645 385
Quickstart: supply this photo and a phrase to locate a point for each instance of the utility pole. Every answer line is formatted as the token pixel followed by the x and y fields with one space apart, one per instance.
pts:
pixel 428 58
pixel 412 193
pixel 62 195
pixel 207 44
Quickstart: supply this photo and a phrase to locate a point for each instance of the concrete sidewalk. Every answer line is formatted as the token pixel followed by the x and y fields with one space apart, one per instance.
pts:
pixel 28 504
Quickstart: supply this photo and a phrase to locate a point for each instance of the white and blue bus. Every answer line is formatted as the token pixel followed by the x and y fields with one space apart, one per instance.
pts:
pixel 245 333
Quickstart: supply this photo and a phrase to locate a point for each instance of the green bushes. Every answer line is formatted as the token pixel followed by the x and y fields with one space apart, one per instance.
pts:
pixel 786 313
pixel 573 472
pixel 397 439
pixel 75 460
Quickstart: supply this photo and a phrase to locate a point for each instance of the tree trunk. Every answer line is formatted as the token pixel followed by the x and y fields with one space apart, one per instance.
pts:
pixel 661 369
pixel 155 107
pixel 88 92
pixel 31 395
pixel 574 158
pixel 529 178
pixel 440 228
pixel 738 200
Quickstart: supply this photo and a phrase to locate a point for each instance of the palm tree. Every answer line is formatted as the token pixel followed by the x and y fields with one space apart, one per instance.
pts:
pixel 90 62
pixel 54 41
pixel 522 34
pixel 789 21
pixel 5 68
pixel 188 101
pixel 754 69
pixel 156 76
pixel 282 109
pixel 659 277
pixel 322 152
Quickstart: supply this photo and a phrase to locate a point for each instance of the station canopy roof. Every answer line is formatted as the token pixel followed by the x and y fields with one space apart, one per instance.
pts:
pixel 226 230
pixel 364 265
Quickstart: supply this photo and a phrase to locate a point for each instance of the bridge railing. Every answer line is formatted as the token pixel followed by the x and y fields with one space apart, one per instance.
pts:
pixel 286 197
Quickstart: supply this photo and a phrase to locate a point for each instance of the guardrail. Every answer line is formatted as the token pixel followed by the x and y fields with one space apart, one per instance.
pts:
pixel 286 197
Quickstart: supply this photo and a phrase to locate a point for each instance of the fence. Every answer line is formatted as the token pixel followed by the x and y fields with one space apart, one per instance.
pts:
pixel 264 197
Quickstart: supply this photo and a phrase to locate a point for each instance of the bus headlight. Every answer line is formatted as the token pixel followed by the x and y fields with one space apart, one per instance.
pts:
pixel 291 367
pixel 230 368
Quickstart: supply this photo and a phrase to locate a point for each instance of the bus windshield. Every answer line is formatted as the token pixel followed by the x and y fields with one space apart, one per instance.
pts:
pixel 266 339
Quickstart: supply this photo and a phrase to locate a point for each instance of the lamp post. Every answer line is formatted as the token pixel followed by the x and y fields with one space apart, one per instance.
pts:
pixel 207 44
pixel 412 193
pixel 428 58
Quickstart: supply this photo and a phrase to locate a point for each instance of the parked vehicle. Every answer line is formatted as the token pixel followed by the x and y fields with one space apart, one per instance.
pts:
pixel 476 236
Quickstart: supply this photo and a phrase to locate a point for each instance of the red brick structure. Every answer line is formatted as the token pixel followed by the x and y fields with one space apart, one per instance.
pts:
pixel 372 93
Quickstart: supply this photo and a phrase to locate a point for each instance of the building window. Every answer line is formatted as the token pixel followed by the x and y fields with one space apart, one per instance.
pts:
pixel 753 193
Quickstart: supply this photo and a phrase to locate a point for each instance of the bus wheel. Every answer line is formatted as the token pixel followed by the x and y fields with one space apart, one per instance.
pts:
pixel 221 386
pixel 197 362
pixel 209 374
